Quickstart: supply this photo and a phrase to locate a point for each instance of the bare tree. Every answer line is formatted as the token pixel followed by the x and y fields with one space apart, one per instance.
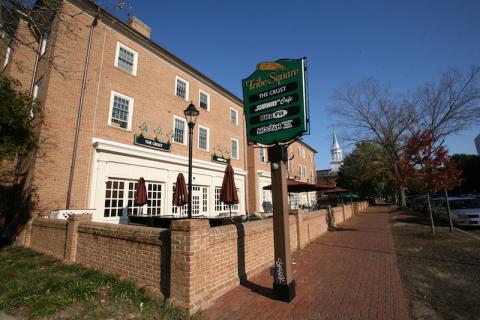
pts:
pixel 373 113
pixel 451 105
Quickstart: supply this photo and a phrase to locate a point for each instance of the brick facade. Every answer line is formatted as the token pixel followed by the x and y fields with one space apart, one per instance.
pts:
pixel 153 102
pixel 301 167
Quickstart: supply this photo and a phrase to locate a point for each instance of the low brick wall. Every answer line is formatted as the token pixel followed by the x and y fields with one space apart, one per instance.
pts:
pixel 141 254
pixel 316 223
pixel 191 264
pixel 138 253
pixel 49 236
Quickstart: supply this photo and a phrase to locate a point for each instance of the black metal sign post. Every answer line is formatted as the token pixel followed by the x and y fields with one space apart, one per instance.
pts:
pixel 283 283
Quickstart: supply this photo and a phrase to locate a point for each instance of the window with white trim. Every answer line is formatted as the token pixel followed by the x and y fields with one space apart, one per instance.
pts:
pixel 121 110
pixel 234 116
pixel 303 153
pixel 204 99
pixel 114 198
pixel 126 59
pixel 179 127
pixel 203 133
pixel 234 148
pixel 311 158
pixel 119 192
pixel 267 205
pixel 263 155
pixel 199 202
pixel 299 169
pixel 222 208
pixel 304 171
pixel 181 88
pixel 179 211
pixel 294 200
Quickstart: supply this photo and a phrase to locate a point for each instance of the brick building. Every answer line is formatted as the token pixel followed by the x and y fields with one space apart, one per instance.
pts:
pixel 128 88
pixel 300 167
pixel 130 94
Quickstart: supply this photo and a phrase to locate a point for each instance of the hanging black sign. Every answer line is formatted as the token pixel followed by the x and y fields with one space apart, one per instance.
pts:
pixel 150 143
pixel 218 159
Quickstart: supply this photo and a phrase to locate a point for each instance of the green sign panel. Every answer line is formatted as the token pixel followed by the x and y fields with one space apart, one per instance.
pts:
pixel 275 102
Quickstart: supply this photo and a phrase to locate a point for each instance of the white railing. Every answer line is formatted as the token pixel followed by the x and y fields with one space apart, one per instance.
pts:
pixel 65 213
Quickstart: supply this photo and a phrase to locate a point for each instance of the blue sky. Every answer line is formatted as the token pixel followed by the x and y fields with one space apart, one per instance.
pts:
pixel 400 43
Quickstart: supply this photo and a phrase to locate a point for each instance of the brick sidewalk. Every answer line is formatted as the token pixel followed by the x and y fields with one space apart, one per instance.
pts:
pixel 346 274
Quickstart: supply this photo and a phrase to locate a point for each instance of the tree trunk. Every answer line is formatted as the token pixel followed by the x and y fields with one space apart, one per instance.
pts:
pixel 430 213
pixel 403 198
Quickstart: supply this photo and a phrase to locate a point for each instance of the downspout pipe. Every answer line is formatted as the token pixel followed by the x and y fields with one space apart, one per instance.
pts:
pixel 79 113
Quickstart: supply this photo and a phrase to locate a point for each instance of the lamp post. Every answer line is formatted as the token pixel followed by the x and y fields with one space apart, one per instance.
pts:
pixel 191 114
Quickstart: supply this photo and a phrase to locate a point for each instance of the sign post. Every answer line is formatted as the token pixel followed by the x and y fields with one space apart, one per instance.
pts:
pixel 276 113
pixel 283 283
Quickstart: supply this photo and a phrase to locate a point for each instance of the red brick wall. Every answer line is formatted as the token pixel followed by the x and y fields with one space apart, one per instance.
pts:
pixel 49 236
pixel 316 223
pixel 127 251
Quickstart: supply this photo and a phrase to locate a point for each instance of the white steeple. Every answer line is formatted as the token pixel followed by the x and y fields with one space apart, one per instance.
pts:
pixel 337 158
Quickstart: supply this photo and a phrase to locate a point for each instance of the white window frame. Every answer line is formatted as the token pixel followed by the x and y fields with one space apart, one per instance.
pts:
pixel 135 58
pixel 236 117
pixel 130 110
pixel 303 153
pixel 184 134
pixel 187 88
pixel 311 158
pixel 208 138
pixel 238 148
pixel 200 91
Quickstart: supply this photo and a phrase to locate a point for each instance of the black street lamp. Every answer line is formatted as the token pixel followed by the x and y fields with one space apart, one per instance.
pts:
pixel 191 114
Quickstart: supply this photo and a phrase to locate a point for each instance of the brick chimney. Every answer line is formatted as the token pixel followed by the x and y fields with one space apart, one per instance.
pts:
pixel 139 26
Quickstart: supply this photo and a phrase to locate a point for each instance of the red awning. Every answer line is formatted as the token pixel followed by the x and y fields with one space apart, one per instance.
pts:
pixel 336 190
pixel 299 186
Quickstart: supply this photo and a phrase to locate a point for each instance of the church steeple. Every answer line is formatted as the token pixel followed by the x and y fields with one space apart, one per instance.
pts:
pixel 337 158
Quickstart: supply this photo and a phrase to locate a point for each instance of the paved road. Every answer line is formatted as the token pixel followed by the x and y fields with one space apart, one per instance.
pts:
pixel 347 274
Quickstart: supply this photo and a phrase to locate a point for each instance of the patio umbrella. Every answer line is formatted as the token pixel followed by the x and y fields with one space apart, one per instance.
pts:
pixel 228 192
pixel 140 194
pixel 180 197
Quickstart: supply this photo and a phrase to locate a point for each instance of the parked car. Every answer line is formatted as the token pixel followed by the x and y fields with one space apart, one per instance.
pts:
pixel 465 210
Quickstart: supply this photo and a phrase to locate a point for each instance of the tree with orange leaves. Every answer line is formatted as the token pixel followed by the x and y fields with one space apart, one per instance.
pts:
pixel 425 166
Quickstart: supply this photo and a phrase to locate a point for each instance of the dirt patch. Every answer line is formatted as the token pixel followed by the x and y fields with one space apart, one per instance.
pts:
pixel 440 272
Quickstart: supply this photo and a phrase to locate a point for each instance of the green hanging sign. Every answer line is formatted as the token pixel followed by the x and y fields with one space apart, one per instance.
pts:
pixel 275 102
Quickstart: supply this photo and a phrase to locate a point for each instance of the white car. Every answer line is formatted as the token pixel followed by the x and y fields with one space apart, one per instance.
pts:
pixel 465 211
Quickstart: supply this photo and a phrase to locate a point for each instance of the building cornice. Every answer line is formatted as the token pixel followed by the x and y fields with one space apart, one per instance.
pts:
pixel 139 152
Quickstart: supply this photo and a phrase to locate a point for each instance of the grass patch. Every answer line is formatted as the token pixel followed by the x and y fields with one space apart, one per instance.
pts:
pixel 36 286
